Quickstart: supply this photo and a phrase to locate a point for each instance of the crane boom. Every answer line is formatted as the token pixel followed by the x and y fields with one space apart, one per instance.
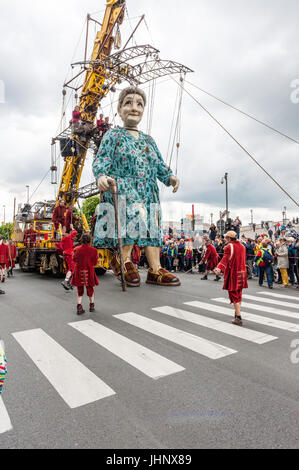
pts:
pixel 94 89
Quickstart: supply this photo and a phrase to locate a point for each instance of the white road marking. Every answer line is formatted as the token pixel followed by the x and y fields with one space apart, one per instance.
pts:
pixel 270 301
pixel 280 296
pixel 187 340
pixel 5 423
pixel 263 308
pixel 282 325
pixel 233 330
pixel 74 382
pixel 150 363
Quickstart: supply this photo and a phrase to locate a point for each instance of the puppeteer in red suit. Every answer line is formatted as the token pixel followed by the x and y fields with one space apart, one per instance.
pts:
pixel 233 265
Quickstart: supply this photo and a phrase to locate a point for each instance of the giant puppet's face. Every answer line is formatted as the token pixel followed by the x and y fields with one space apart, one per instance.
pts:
pixel 132 110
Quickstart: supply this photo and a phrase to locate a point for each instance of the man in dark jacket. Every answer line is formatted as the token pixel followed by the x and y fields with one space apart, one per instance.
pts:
pixel 249 256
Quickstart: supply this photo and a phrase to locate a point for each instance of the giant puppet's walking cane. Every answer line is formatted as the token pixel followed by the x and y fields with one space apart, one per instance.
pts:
pixel 113 186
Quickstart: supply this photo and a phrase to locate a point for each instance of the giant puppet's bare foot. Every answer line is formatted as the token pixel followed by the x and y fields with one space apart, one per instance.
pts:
pixel 162 278
pixel 132 276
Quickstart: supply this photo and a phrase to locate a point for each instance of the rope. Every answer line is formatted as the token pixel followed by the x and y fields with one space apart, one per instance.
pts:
pixel 241 146
pixel 177 130
pixel 245 114
pixel 129 19
pixel 172 124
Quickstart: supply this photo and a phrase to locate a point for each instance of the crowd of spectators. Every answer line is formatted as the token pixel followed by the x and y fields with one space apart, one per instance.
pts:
pixel 271 256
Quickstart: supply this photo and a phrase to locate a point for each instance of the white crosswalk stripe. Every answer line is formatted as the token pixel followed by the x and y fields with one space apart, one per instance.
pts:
pixel 143 359
pixel 280 296
pixel 5 423
pixel 270 301
pixel 263 308
pixel 227 328
pixel 282 325
pixel 74 382
pixel 187 340
pixel 78 386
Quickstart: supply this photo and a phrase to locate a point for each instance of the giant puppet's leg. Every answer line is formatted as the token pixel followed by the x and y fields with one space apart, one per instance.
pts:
pixel 156 274
pixel 132 276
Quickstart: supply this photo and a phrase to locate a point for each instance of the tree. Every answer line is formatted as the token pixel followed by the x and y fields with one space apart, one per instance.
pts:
pixel 5 231
pixel 89 207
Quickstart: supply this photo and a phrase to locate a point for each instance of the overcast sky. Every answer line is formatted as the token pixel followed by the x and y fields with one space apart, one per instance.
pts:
pixel 245 52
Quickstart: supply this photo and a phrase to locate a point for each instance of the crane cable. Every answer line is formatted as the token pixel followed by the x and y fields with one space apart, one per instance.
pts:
pixel 150 114
pixel 177 132
pixel 243 112
pixel 240 145
pixel 172 126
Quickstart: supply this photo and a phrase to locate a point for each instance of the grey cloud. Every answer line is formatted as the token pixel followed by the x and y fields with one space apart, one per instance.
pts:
pixel 245 52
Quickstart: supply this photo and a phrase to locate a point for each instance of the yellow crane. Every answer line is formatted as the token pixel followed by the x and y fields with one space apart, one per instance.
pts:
pixel 43 255
pixel 93 91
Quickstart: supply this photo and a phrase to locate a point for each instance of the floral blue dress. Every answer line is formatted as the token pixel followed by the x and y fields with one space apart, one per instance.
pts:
pixel 135 164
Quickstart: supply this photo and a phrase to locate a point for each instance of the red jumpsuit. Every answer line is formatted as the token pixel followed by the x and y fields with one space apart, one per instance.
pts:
pixel 58 216
pixel 86 258
pixel 3 256
pixel 211 258
pixel 233 264
pixel 70 218
pixel 12 256
pixel 30 236
pixel 67 246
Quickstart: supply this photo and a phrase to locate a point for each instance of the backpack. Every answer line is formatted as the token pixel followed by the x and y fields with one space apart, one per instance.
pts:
pixel 267 257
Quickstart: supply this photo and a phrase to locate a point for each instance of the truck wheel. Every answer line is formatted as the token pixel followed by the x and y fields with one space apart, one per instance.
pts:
pixel 22 260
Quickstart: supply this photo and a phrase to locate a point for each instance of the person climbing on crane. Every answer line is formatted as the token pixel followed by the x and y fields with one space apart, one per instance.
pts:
pixel 58 217
pixel 132 159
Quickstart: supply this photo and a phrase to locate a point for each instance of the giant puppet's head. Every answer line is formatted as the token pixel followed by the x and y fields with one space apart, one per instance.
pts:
pixel 131 104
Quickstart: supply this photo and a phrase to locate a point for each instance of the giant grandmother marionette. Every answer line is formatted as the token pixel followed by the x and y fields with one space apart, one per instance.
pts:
pixel 133 160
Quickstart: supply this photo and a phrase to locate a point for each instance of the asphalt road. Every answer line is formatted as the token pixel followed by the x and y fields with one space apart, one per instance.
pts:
pixel 245 398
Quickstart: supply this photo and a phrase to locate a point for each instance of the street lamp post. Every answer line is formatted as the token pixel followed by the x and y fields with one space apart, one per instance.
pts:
pixel 285 215
pixel 251 210
pixel 4 214
pixel 212 218
pixel 225 178
pixel 27 193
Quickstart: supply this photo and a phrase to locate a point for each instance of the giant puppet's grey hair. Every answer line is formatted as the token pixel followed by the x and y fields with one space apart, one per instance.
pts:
pixel 131 90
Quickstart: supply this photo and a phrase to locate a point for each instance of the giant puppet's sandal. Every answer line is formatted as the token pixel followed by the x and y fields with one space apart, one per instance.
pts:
pixel 132 276
pixel 162 278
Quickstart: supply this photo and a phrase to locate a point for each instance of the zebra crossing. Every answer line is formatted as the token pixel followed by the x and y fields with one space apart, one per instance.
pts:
pixel 78 386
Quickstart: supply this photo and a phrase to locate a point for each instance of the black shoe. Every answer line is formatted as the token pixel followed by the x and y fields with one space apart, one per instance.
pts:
pixel 65 285
pixel 2 292
pixel 270 287
pixel 205 278
pixel 80 310
pixel 92 308
pixel 237 321
pixel 217 278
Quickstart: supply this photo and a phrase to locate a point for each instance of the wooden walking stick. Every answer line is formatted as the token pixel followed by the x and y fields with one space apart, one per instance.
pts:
pixel 117 221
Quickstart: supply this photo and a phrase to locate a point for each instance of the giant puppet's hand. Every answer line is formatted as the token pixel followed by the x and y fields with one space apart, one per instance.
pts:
pixel 175 182
pixel 104 183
